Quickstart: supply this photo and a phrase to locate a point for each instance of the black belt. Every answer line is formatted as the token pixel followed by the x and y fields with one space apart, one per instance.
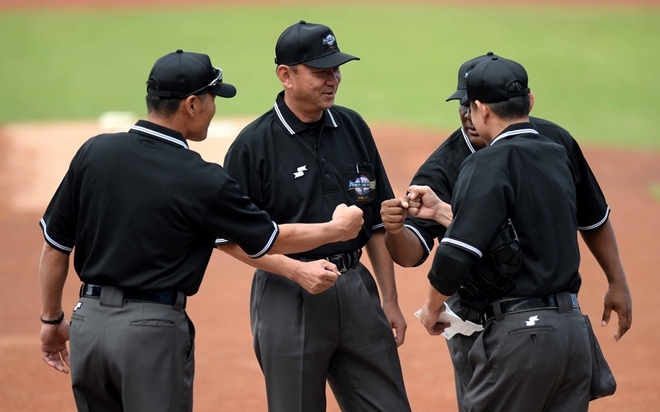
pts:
pixel 132 295
pixel 343 261
pixel 517 305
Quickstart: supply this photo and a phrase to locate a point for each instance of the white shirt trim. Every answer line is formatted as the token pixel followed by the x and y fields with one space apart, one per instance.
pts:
pixel 50 239
pixel 512 133
pixel 160 135
pixel 421 238
pixel 467 141
pixel 332 118
pixel 462 245
pixel 279 114
pixel 603 220
pixel 269 244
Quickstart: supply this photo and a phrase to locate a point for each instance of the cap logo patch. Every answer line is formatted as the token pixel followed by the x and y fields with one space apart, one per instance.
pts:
pixel 466 74
pixel 329 40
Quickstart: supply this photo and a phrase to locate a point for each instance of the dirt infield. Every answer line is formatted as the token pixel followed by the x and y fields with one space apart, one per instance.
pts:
pixel 228 378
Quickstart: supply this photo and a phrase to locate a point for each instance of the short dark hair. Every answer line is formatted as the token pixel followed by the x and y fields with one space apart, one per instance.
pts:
pixel 513 108
pixel 162 105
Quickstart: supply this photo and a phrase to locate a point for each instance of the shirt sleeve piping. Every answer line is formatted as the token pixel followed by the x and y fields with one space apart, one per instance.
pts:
pixel 269 244
pixel 462 245
pixel 594 226
pixel 52 242
pixel 421 238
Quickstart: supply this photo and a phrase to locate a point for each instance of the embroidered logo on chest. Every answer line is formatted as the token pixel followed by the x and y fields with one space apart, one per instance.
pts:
pixel 362 186
pixel 300 172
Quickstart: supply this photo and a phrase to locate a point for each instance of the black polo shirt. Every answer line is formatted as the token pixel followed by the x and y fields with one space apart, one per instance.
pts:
pixel 299 173
pixel 528 178
pixel 143 211
pixel 440 172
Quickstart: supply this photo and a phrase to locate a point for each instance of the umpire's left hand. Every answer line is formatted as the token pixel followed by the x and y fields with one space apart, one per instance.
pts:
pixel 53 345
pixel 397 321
pixel 618 299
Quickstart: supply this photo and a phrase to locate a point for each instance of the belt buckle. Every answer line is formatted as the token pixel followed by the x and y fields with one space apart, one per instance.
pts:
pixel 337 259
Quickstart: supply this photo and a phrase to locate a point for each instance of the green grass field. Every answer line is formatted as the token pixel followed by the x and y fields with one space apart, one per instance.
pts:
pixel 593 70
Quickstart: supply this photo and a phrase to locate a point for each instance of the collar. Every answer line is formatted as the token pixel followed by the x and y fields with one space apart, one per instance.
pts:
pixel 290 123
pixel 514 129
pixel 467 140
pixel 149 129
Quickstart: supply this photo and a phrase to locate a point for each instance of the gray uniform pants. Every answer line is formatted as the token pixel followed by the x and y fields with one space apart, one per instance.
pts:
pixel 536 361
pixel 131 356
pixel 340 335
pixel 459 347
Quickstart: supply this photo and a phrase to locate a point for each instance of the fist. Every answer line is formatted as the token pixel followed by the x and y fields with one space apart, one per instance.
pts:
pixel 316 276
pixel 348 221
pixel 393 213
pixel 425 204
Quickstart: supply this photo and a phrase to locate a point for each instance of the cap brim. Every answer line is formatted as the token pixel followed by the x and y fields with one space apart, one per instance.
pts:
pixel 457 95
pixel 465 100
pixel 223 90
pixel 330 61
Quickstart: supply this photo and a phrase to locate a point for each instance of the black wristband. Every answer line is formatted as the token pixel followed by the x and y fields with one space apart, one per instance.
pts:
pixel 53 321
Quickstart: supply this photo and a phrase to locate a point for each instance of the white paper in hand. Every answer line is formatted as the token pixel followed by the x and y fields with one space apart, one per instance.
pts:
pixel 458 325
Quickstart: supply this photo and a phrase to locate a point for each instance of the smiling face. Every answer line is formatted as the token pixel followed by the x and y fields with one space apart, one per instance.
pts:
pixel 309 91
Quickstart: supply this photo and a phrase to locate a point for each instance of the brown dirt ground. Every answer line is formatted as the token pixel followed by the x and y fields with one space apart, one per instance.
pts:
pixel 34 158
pixel 228 377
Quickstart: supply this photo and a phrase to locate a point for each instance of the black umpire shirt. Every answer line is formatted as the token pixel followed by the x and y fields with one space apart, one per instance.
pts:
pixel 300 172
pixel 528 178
pixel 143 212
pixel 440 172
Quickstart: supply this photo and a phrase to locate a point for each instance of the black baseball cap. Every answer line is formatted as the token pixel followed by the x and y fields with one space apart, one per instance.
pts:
pixel 311 44
pixel 461 89
pixel 181 74
pixel 489 81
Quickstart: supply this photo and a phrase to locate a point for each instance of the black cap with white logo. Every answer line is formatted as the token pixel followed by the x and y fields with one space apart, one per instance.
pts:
pixel 490 80
pixel 461 88
pixel 310 44
pixel 181 74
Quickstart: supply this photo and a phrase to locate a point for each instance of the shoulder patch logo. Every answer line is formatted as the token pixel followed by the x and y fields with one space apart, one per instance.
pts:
pixel 532 321
pixel 300 172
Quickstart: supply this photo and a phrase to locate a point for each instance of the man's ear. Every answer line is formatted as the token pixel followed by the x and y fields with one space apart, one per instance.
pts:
pixel 284 73
pixel 191 104
pixel 482 110
pixel 531 101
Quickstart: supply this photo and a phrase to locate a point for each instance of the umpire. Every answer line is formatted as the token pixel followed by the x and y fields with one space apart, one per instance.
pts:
pixel 410 245
pixel 298 161
pixel 534 353
pixel 143 212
